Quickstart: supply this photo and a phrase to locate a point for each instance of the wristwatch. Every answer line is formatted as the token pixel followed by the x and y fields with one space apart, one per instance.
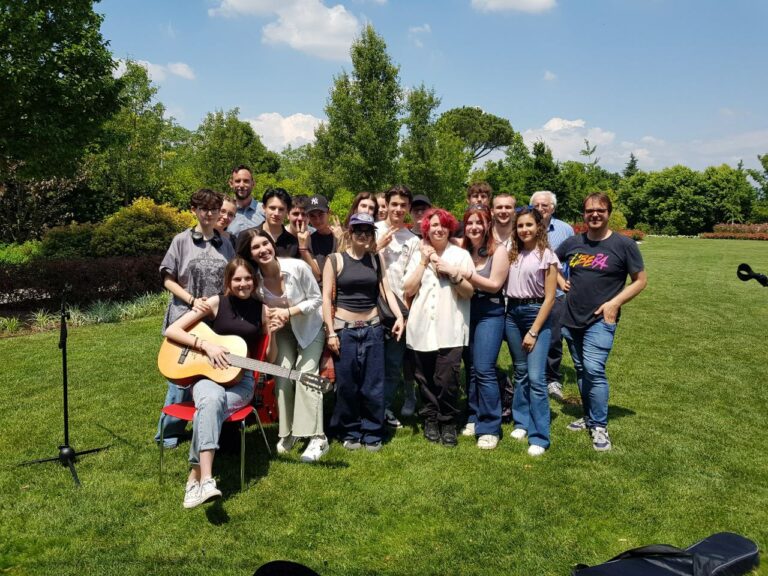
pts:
pixel 533 334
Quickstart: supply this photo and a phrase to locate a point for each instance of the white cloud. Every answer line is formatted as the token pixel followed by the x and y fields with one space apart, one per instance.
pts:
pixel 566 139
pixel 182 70
pixel 415 33
pixel 231 8
pixel 308 26
pixel 157 72
pixel 277 131
pixel 531 6
pixel 549 76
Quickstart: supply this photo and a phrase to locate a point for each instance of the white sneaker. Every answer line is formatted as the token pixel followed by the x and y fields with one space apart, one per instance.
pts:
pixel 469 429
pixel 555 390
pixel 192 494
pixel 519 433
pixel 285 444
pixel 316 448
pixel 487 441
pixel 208 490
pixel 534 450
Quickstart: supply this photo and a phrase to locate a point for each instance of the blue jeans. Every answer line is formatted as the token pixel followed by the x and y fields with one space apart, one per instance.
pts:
pixel 486 331
pixel 359 411
pixel 394 354
pixel 173 428
pixel 589 349
pixel 530 404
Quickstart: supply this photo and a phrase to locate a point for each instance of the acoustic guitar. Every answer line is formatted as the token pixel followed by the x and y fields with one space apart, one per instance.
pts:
pixel 184 366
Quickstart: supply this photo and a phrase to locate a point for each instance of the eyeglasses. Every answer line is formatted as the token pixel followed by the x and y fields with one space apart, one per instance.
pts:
pixel 595 211
pixel 204 210
pixel 363 233
pixel 540 205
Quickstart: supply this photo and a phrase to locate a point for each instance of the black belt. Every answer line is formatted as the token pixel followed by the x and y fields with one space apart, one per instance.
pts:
pixel 339 324
pixel 520 301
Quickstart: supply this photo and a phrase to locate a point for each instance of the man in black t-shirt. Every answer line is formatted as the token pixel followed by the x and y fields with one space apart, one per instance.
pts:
pixel 598 262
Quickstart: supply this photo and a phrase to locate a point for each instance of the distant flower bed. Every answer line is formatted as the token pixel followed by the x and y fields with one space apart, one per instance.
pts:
pixel 737 232
pixel 636 235
pixel 734 236
pixel 741 228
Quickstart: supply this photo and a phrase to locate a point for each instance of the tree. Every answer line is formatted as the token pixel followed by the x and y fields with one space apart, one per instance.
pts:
pixel 57 85
pixel 588 151
pixel 481 132
pixel 358 144
pixel 222 142
pixel 730 195
pixel 631 168
pixel 433 160
pixel 128 161
pixel 761 178
pixel 510 174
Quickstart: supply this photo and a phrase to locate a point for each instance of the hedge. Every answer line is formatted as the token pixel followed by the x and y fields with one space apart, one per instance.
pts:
pixel 733 236
pixel 89 279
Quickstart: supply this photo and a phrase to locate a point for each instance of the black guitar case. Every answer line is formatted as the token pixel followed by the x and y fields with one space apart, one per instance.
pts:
pixel 722 554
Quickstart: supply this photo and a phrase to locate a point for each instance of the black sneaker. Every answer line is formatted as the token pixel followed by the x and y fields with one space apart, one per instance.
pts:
pixel 431 431
pixel 448 435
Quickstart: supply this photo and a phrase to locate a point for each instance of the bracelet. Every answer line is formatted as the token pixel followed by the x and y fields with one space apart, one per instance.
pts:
pixel 454 281
pixel 289 312
pixel 303 249
pixel 332 336
pixel 194 346
pixel 191 301
pixel 533 334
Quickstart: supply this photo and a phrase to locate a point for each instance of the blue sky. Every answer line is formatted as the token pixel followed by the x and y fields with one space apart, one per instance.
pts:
pixel 674 81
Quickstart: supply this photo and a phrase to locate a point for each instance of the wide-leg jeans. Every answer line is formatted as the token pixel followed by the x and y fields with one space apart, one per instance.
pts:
pixel 486 332
pixel 359 411
pixel 589 349
pixel 530 404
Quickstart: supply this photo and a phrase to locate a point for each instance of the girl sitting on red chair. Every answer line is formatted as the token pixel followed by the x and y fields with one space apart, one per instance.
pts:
pixel 238 313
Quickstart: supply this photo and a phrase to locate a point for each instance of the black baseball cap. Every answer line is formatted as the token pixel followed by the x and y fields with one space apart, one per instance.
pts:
pixel 317 202
pixel 421 199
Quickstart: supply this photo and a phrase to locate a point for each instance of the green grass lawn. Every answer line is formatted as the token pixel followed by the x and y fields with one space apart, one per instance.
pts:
pixel 689 398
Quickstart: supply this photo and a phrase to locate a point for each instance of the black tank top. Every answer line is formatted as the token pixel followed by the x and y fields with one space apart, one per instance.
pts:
pixel 238 317
pixel 357 287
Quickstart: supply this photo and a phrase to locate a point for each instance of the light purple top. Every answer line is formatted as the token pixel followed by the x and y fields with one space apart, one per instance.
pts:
pixel 526 274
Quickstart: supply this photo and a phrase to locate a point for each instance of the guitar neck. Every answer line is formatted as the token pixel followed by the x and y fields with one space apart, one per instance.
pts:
pixel 267 368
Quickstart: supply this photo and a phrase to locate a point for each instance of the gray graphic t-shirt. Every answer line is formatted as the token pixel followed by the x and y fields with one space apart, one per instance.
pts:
pixel 198 267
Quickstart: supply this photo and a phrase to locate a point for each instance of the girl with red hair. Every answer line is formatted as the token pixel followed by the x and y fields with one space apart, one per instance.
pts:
pixel 435 278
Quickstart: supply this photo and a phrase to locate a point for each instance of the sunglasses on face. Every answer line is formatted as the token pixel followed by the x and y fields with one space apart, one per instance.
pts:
pixel 589 211
pixel 363 233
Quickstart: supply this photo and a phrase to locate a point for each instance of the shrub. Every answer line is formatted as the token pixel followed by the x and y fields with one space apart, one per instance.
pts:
pixel 141 228
pixel 10 324
pixel 72 241
pixel 636 235
pixel 88 279
pixel 19 253
pixel 733 236
pixel 741 228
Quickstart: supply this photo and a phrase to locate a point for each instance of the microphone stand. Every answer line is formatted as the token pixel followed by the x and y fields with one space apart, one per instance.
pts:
pixel 67 455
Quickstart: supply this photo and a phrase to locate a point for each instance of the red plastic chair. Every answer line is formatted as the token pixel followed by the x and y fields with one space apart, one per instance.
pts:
pixel 186 411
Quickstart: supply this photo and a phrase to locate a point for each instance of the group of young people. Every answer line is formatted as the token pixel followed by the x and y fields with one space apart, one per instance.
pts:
pixel 457 291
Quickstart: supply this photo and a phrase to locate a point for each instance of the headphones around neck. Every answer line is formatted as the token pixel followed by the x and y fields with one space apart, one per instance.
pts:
pixel 198 238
